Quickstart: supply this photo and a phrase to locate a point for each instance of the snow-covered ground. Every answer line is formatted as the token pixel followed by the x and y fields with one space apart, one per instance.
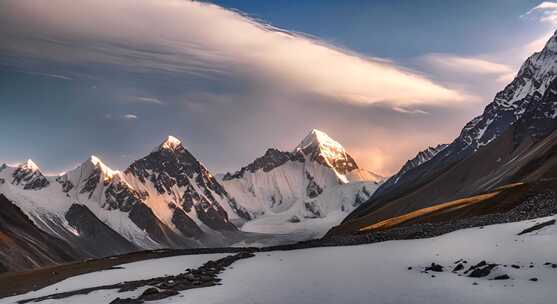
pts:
pixel 126 272
pixel 373 273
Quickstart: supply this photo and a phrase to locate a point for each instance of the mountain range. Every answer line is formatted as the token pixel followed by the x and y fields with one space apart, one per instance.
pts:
pixel 168 199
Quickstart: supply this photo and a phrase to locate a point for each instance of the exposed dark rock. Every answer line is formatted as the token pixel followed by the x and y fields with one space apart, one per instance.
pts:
pixel 65 183
pixel 91 182
pixel 434 267
pixel 312 189
pixel 120 196
pixel 313 210
pixel 294 219
pixel 273 158
pixel 458 267
pixel 153 294
pixel 31 178
pixel 538 227
pixel 502 277
pixel 126 301
pixel 480 270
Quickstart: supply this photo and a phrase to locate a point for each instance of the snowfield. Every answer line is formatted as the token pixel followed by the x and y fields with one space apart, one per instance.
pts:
pixel 372 273
pixel 333 205
pixel 132 271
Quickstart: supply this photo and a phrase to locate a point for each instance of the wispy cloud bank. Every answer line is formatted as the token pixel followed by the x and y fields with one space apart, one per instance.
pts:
pixel 545 12
pixel 144 99
pixel 130 116
pixel 470 66
pixel 122 33
pixel 121 117
pixel 49 75
pixel 409 111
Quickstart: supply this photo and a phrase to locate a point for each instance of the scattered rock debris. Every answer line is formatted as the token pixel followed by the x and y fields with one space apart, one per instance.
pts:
pixel 537 227
pixel 483 269
pixel 434 267
pixel 160 287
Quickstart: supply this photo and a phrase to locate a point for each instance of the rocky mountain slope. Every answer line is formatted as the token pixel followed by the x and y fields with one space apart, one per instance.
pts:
pixel 420 158
pixel 23 245
pixel 311 187
pixel 510 142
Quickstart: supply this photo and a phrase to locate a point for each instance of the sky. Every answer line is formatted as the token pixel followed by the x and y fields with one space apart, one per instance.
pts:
pixel 231 79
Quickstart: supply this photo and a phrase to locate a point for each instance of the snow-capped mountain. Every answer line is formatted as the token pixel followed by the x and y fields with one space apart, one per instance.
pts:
pixel 29 176
pixel 317 182
pixel 519 99
pixel 166 199
pixel 420 158
pixel 181 191
pixel 491 149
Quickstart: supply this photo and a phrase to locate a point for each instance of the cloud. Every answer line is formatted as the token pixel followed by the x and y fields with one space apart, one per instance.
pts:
pixel 151 100
pixel 50 75
pixel 544 12
pixel 227 45
pixel 470 65
pixel 130 116
pixel 537 44
pixel 409 111
pixel 123 117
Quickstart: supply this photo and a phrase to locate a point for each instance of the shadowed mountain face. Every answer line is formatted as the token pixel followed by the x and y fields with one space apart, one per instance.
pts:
pixel 502 145
pixel 101 239
pixel 23 245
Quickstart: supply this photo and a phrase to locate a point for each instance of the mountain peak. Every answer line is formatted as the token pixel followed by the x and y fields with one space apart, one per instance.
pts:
pixel 30 165
pixel 29 175
pixel 170 143
pixel 318 146
pixel 93 162
pixel 318 138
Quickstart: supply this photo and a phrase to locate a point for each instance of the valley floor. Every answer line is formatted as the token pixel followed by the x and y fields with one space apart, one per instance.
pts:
pixel 372 273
